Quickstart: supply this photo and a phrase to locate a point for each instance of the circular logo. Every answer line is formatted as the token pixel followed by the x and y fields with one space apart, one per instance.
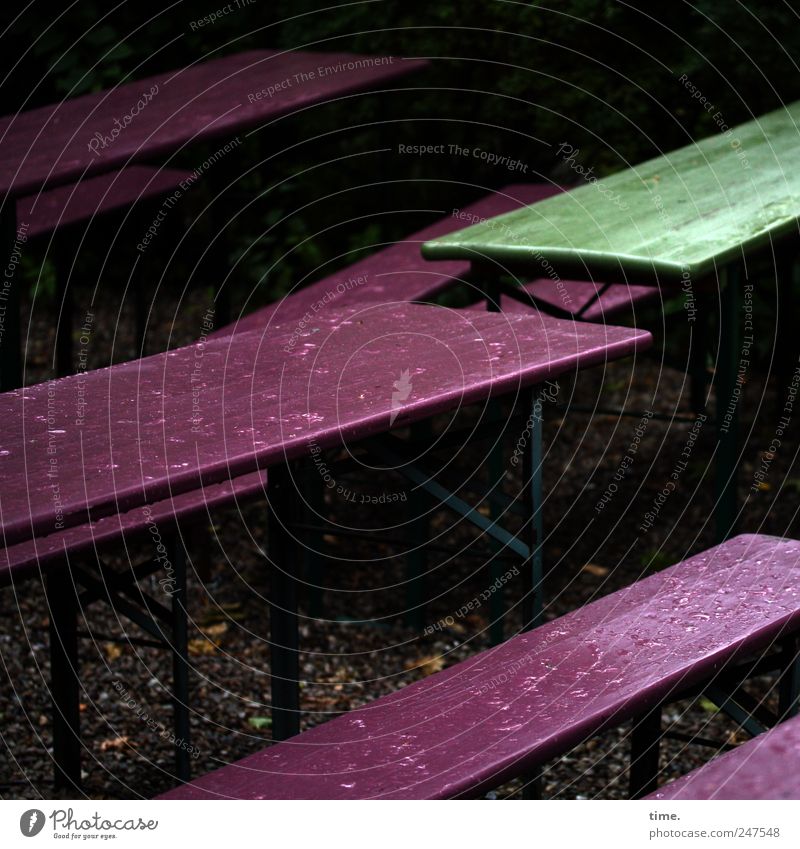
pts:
pixel 31 822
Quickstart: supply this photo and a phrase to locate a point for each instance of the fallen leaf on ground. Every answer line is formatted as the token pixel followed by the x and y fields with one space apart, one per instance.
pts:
pixel 201 646
pixel 115 743
pixel 427 665
pixel 216 630
pixel 218 615
pixel 595 569
pixel 259 722
pixel 736 738
pixel 112 650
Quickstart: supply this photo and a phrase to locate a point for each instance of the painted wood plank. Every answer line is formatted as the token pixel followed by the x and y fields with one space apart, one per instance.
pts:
pixel 675 216
pixel 89 445
pixel 156 116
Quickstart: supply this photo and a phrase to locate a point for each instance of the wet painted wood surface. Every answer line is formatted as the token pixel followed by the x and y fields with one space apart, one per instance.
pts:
pixel 677 215
pixel 507 710
pixel 156 116
pixel 76 449
pixel 761 768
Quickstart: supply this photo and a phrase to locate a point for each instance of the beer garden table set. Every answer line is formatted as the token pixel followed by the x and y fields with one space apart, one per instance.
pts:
pixel 148 445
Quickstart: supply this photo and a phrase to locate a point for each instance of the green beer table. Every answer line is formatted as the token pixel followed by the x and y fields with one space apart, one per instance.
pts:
pixel 691 219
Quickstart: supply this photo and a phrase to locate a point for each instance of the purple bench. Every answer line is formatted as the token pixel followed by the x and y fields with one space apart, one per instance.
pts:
pixel 154 118
pixel 58 211
pixel 66 206
pixel 73 557
pixel 399 273
pixel 38 556
pixel 152 432
pixel 762 768
pixel 507 710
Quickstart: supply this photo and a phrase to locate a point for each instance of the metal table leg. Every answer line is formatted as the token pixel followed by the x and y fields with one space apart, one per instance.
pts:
pixel 533 568
pixel 180 658
pixel 284 556
pixel 314 560
pixel 65 685
pixel 698 350
pixel 727 399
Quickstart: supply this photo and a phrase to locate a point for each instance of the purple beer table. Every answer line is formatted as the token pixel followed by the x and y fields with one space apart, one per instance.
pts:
pixel 156 117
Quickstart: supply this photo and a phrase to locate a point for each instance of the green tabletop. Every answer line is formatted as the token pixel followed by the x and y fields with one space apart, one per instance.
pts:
pixel 674 217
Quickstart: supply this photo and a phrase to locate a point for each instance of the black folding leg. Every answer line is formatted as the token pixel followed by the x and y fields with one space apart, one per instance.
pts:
pixel 787 283
pixel 495 461
pixel 284 556
pixel 314 511
pixel 417 532
pixel 62 261
pixel 496 468
pixel 728 401
pixel 789 691
pixel 11 364
pixel 645 750
pixel 64 683
pixel 698 352
pixel 180 658
pixel 533 537
pixel 533 531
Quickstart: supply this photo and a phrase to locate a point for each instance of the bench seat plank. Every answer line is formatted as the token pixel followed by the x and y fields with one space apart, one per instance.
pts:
pixel 74 204
pixel 762 768
pixel 210 412
pixel 399 273
pixel 34 556
pixel 513 707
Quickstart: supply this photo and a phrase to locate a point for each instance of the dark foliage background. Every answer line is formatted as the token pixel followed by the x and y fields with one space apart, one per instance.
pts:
pixel 513 78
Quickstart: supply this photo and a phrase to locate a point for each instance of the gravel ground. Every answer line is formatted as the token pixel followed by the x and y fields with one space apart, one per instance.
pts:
pixel 364 648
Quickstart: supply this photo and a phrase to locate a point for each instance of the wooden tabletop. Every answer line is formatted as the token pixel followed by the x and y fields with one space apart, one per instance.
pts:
pixel 673 217
pixel 93 444
pixel 156 116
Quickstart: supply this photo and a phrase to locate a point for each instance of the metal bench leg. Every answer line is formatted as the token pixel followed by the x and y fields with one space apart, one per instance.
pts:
pixel 789 688
pixel 64 686
pixel 728 401
pixel 533 787
pixel 62 263
pixel 533 568
pixel 140 309
pixel 11 348
pixel 180 658
pixel 141 276
pixel 284 506
pixel 313 558
pixel 645 750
